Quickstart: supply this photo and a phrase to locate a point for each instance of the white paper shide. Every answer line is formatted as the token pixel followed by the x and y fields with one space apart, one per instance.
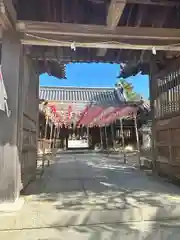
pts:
pixel 3 96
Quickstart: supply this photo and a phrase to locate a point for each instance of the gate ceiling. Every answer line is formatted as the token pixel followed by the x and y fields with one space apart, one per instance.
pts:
pixel 103 30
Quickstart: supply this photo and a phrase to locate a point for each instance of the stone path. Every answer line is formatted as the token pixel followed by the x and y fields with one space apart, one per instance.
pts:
pixel 90 196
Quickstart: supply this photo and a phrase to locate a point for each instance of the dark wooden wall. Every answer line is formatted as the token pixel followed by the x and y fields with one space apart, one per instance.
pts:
pixel 166 93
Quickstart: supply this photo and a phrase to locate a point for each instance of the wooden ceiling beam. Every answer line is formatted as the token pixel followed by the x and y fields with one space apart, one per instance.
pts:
pixel 156 3
pixel 93 32
pixel 81 44
pixel 115 11
pixel 7 14
pixel 114 14
pixel 145 2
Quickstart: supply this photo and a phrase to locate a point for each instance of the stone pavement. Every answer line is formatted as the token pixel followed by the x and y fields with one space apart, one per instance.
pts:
pixel 90 196
pixel 131 157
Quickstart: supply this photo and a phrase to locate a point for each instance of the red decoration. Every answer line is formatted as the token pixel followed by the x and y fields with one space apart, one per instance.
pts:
pixel 69 112
pixel 53 108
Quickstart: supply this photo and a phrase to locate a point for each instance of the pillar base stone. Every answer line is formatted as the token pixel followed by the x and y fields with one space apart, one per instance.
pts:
pixel 10 207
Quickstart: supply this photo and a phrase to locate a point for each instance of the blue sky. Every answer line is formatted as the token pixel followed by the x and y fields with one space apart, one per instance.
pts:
pixel 95 75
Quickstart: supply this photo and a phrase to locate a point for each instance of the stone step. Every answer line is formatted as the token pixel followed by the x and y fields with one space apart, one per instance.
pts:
pixel 46 214
pixel 131 231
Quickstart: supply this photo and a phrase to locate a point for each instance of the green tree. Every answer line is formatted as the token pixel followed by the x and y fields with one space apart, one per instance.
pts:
pixel 128 90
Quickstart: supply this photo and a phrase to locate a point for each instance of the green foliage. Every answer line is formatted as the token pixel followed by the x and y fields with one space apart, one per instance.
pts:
pixel 128 89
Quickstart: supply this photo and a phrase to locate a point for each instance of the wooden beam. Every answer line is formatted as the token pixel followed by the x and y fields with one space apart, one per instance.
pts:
pixel 93 32
pixel 156 3
pixel 94 36
pixel 115 11
pixel 7 14
pixel 51 53
pixel 81 44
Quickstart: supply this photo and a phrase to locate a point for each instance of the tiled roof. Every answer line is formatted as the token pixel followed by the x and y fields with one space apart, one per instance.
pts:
pixel 79 98
pixel 76 95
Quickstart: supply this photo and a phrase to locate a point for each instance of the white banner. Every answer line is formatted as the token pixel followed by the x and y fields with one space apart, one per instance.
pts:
pixel 78 144
pixel 3 96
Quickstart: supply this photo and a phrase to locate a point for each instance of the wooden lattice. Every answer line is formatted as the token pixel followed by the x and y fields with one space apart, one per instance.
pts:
pixel 167 89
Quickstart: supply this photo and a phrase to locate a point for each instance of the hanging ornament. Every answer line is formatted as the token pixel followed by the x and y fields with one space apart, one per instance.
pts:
pixel 53 108
pixel 47 111
pixel 69 112
pixel 73 46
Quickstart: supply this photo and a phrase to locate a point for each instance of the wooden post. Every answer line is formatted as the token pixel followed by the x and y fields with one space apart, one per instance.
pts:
pixel 81 131
pixel 101 138
pixel 58 134
pixel 112 134
pixel 123 142
pixel 53 145
pixel 54 137
pixel 45 137
pixel 106 138
pixel 88 135
pixel 11 126
pixel 51 135
pixel 152 92
pixel 67 136
pixel 137 141
pixel 46 126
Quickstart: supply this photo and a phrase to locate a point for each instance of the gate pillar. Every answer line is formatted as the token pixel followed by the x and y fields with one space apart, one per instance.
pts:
pixel 152 91
pixel 10 130
pixel 30 126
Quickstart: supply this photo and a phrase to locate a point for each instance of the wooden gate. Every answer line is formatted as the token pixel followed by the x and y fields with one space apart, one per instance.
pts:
pixel 166 93
pixel 30 123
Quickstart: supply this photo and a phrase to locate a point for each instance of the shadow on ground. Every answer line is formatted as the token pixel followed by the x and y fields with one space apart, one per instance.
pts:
pixel 102 197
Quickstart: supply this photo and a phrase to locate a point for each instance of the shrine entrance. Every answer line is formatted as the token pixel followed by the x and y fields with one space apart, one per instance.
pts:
pixel 36 39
